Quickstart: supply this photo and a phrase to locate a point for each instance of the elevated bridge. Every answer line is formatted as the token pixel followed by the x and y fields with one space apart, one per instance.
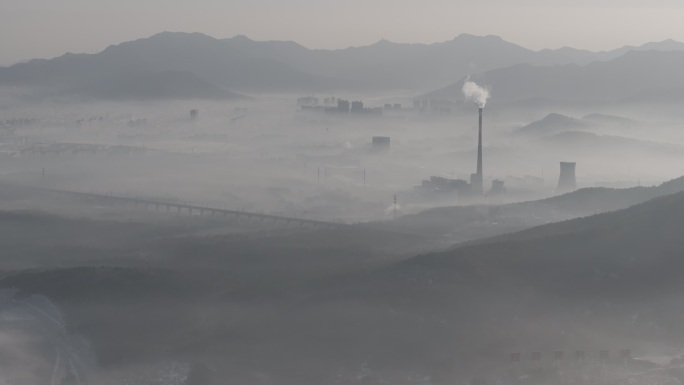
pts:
pixel 169 206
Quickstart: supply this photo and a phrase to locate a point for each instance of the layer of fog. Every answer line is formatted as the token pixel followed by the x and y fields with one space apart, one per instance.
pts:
pixel 267 155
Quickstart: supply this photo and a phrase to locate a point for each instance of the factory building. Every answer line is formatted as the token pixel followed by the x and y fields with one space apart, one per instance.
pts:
pixel 381 143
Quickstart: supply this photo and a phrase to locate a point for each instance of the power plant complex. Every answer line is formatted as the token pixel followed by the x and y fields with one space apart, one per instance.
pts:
pixel 462 187
pixel 479 95
pixel 566 181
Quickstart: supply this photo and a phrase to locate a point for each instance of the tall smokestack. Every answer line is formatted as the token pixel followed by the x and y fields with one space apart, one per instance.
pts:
pixel 479 95
pixel 479 147
pixel 477 180
pixel 566 181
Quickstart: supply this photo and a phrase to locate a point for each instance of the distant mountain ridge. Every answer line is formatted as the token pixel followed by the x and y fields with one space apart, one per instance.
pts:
pixel 635 76
pixel 246 65
pixel 551 124
pixel 555 123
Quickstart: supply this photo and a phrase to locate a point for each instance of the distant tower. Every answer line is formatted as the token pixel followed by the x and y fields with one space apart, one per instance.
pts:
pixel 566 181
pixel 476 180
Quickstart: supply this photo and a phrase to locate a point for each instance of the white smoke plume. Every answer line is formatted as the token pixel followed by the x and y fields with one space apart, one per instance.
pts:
pixel 475 93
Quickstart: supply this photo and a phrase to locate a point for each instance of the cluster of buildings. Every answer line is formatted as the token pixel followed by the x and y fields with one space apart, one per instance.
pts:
pixel 312 101
pixel 358 108
pixel 334 104
pixel 137 122
pixel 337 106
pixel 458 187
pixel 90 121
pixel 11 123
pixel 439 106
pixel 80 149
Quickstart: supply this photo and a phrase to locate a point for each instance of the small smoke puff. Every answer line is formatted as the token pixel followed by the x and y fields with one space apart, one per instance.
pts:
pixel 475 93
pixel 390 210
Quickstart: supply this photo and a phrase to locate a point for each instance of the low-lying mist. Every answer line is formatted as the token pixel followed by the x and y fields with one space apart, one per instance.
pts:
pixel 380 291
pixel 268 155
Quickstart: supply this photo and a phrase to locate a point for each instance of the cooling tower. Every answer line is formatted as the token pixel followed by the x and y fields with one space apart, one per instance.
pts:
pixel 566 181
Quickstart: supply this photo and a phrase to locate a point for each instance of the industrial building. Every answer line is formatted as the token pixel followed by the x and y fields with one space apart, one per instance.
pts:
pixel 381 143
pixel 438 184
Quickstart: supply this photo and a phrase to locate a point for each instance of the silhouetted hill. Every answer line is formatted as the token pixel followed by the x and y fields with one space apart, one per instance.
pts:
pixel 600 199
pixel 551 124
pixel 612 120
pixel 632 220
pixel 420 66
pixel 560 125
pixel 240 63
pixel 578 283
pixel 618 146
pixel 598 81
pixel 467 223
pixel 606 281
pixel 583 57
pixel 195 53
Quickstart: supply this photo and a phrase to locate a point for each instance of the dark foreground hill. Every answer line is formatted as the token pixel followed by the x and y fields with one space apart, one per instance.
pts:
pixel 466 223
pixel 607 281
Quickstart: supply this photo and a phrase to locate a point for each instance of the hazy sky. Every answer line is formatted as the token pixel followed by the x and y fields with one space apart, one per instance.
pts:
pixel 48 28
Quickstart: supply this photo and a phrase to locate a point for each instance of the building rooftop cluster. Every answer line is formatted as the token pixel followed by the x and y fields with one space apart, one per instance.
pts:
pixel 335 105
pixel 460 187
